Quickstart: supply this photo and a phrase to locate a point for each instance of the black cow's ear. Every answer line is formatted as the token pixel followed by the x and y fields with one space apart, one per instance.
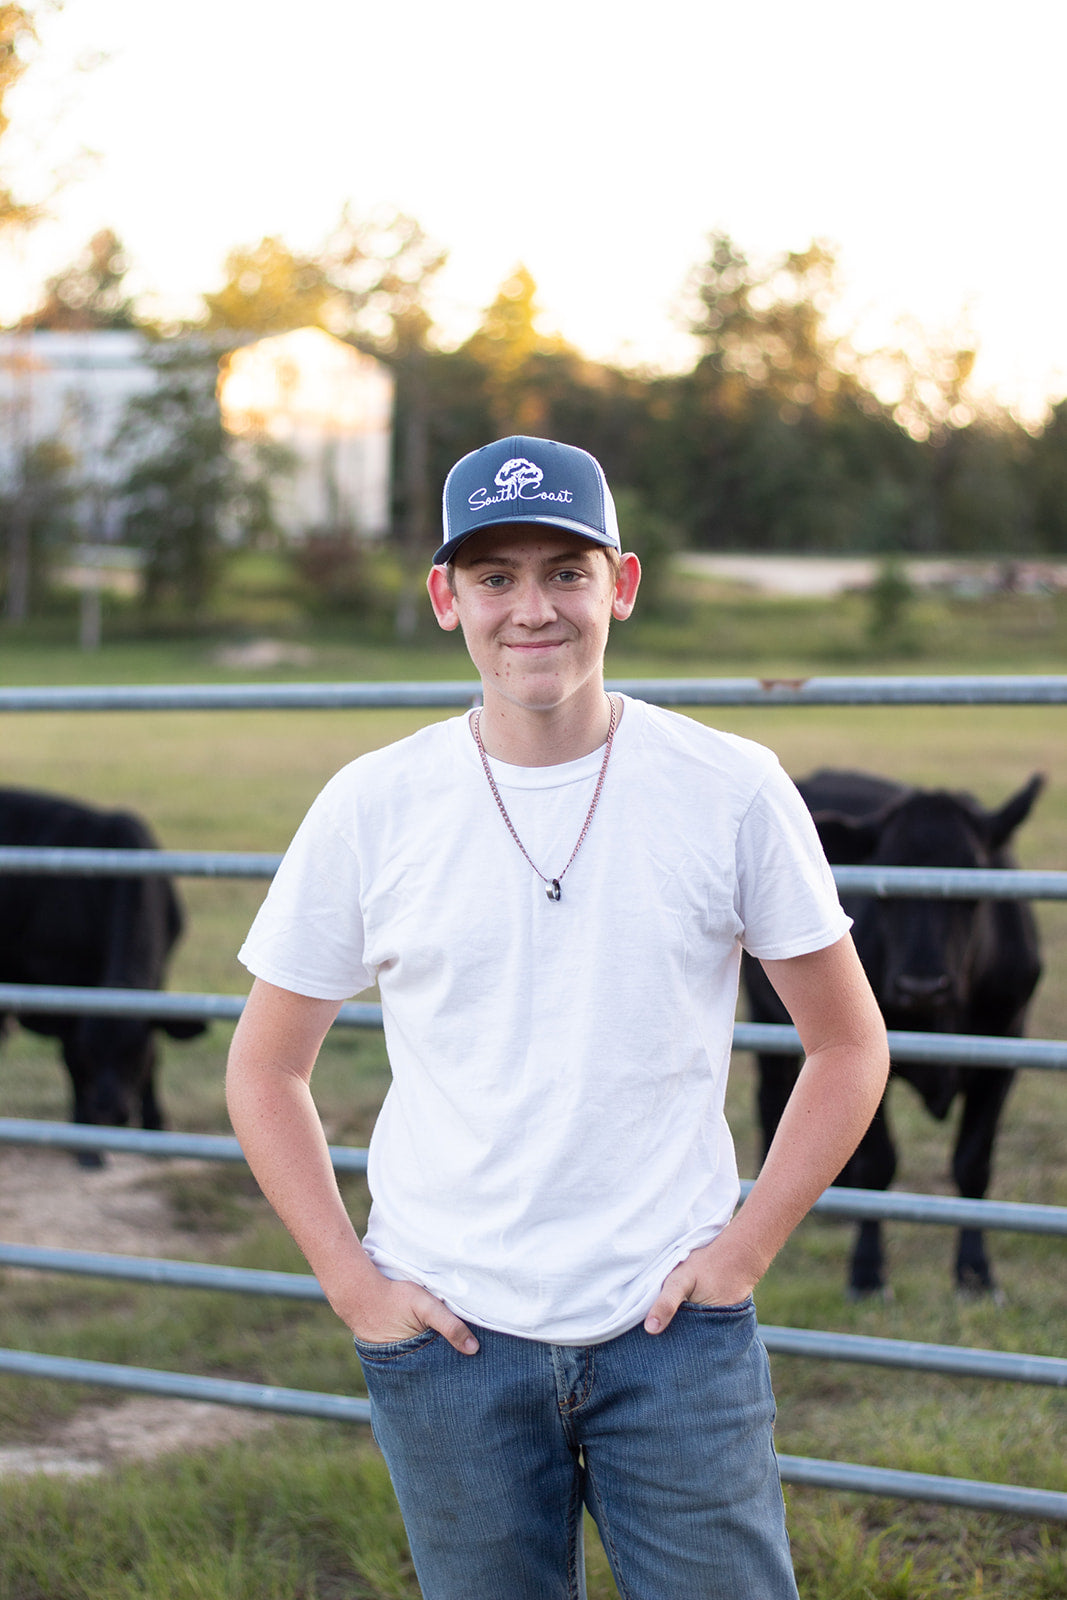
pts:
pixel 1003 823
pixel 846 840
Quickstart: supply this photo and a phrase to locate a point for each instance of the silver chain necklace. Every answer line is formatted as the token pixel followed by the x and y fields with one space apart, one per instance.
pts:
pixel 552 885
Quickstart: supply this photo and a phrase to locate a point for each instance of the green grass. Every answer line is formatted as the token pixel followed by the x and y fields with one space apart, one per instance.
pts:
pixel 704 627
pixel 311 1514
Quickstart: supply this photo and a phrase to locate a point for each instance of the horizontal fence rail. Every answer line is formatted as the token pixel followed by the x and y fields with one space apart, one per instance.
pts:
pixel 947 1049
pixel 149 1142
pixel 953 1049
pixel 1050 1371
pixel 882 882
pixel 846 1476
pixel 851 1204
pixel 53 861
pixel 999 690
pixel 1045 1504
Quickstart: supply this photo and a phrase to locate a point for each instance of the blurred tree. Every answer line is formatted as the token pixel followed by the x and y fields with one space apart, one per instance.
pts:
pixel 368 284
pixel 655 540
pixel 261 467
pixel 768 330
pixel 980 497
pixel 89 294
pixel 181 480
pixel 516 358
pixel 36 524
pixel 1046 473
pixel 924 382
pixel 383 268
pixel 889 603
pixel 777 440
pixel 269 289
pixel 511 377
pixel 16 32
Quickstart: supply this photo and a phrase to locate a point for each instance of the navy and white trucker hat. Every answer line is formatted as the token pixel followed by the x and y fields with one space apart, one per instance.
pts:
pixel 528 480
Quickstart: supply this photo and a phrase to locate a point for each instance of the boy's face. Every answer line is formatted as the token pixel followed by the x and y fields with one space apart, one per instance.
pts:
pixel 535 605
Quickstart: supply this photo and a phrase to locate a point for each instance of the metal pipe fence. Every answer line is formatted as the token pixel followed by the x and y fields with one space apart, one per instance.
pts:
pixel 996 690
pixel 964 883
pixel 842 1203
pixel 1009 1366
pixel 841 1476
pixel 947 1049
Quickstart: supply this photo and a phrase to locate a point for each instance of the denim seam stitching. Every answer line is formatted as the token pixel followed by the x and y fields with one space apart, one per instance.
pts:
pixel 582 1390
pixel 391 1355
pixel 606 1536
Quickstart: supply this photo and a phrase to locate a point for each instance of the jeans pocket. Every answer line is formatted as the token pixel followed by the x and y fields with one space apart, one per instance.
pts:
pixel 742 1308
pixel 395 1349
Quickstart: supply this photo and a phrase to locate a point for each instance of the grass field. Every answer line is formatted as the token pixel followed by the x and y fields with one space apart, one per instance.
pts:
pixel 309 1517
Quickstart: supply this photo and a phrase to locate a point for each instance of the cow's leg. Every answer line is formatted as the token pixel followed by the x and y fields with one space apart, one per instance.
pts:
pixel 151 1114
pixel 82 1109
pixel 871 1167
pixel 984 1095
pixel 776 1079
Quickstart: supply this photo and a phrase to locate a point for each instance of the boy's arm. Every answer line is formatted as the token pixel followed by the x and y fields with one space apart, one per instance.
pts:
pixel 275 1047
pixel 837 1093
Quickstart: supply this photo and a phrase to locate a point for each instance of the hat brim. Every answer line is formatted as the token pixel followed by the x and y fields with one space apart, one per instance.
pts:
pixel 445 553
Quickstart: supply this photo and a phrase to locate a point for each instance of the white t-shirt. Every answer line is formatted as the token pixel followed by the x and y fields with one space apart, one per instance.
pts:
pixel 553 1140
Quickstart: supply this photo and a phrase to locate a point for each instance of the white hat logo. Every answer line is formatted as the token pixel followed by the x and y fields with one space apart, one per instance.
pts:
pixel 516 475
pixel 517 479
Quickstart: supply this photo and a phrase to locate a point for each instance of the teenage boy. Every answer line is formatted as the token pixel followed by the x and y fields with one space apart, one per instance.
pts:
pixel 552 1304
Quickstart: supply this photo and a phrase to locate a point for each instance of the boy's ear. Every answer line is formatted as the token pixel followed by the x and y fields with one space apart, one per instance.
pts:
pixel 442 599
pixel 626 585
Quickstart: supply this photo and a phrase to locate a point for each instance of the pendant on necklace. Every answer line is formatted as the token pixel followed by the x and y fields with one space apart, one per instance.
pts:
pixel 552 888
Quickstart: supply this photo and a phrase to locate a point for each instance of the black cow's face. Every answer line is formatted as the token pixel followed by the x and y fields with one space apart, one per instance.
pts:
pixel 929 950
pixel 924 957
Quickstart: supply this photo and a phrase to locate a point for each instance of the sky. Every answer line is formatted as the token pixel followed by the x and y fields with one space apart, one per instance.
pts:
pixel 597 143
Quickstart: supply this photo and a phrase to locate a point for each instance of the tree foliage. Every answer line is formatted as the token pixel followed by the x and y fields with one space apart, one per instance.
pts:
pixel 366 283
pixel 181 479
pixel 781 436
pixel 90 293
pixel 766 331
pixel 36 524
pixel 1046 475
pixel 16 32
pixel 269 289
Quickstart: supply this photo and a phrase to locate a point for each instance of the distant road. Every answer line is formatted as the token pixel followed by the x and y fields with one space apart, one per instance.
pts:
pixel 828 575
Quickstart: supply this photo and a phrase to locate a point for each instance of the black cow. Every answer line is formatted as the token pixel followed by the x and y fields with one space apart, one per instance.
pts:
pixel 936 966
pixel 90 932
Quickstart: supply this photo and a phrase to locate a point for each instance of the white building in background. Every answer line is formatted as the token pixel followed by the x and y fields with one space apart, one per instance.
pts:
pixel 332 407
pixel 73 389
pixel 329 404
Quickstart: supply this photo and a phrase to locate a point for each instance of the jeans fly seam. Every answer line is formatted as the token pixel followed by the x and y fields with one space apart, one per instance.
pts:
pixel 583 1388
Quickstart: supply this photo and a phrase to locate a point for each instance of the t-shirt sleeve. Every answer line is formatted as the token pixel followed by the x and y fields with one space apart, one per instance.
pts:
pixel 787 898
pixel 308 935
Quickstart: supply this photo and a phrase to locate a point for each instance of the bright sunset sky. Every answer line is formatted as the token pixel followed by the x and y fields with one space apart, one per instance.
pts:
pixel 597 142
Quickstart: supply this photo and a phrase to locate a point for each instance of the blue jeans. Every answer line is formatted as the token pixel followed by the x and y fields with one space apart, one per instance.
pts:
pixel 667 1439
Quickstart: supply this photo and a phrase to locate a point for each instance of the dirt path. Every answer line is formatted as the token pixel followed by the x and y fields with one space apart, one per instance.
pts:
pixel 46 1199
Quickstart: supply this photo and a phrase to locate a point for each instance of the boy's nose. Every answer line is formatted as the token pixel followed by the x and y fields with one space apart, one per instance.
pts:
pixel 533 606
